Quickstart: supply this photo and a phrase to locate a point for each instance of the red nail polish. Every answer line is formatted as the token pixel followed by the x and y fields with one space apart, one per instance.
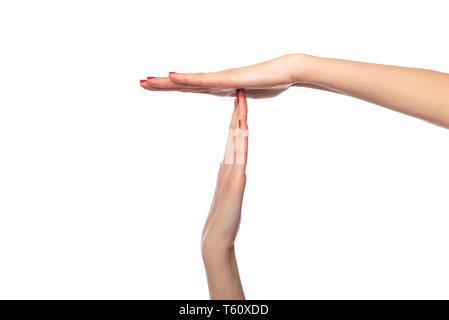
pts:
pixel 240 124
pixel 141 81
pixel 172 72
pixel 149 78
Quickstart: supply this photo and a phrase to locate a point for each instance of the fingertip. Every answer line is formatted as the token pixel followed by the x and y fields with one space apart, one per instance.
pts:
pixel 144 84
pixel 241 96
pixel 242 106
pixel 174 76
pixel 154 82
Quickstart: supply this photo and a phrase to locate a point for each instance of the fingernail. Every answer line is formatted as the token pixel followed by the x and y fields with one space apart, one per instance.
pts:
pixel 149 78
pixel 240 124
pixel 141 81
pixel 172 72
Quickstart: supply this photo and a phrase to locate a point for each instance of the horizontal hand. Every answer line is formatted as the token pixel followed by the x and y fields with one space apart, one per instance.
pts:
pixel 263 80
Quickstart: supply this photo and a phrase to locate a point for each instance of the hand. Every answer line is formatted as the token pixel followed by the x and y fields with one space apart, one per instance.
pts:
pixel 223 221
pixel 263 80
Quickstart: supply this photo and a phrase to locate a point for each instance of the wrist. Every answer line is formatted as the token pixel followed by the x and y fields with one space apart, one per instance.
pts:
pixel 214 249
pixel 303 66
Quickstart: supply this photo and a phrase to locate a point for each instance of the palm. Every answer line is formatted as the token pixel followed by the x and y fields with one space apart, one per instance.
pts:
pixel 255 93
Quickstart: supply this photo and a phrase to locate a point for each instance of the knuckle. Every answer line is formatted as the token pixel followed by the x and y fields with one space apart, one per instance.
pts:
pixel 224 80
pixel 238 182
pixel 199 78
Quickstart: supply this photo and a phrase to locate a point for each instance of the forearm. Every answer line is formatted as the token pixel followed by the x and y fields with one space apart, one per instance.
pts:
pixel 222 273
pixel 417 92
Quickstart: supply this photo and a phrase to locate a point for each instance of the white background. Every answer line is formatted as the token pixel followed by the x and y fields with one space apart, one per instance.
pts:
pixel 104 187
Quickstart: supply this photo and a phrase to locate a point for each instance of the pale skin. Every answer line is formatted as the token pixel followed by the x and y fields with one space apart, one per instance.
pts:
pixel 416 92
pixel 419 93
pixel 221 227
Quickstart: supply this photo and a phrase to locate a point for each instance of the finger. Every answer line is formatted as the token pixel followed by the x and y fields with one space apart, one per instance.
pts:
pixel 234 126
pixel 167 83
pixel 211 79
pixel 242 109
pixel 229 154
pixel 242 138
pixel 163 85
pixel 245 155
pixel 144 84
pixel 233 123
pixel 245 151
